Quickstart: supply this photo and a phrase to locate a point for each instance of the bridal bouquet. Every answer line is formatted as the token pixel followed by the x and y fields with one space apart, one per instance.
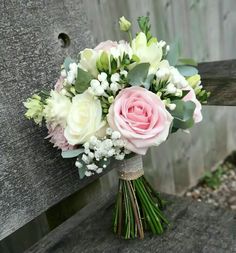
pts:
pixel 113 103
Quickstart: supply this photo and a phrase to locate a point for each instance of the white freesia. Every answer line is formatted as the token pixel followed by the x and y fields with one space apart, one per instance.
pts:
pixel 88 59
pixel 57 108
pixel 147 51
pixel 84 119
pixel 124 48
pixel 178 79
pixel 72 73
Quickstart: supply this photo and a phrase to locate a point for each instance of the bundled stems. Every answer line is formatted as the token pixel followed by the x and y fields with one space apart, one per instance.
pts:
pixel 138 207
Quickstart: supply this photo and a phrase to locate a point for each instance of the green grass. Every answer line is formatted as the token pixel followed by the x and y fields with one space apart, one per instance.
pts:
pixel 213 179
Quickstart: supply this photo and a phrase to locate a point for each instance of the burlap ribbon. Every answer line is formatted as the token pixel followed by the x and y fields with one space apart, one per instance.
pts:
pixel 131 169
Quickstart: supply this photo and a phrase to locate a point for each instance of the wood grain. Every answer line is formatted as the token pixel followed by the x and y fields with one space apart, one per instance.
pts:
pixel 195 227
pixel 33 176
pixel 220 79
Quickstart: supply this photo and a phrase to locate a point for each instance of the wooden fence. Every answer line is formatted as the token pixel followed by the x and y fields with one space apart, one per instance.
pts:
pixel 205 29
pixel 33 177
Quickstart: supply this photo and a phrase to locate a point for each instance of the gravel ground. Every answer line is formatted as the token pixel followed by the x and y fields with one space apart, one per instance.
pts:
pixel 225 193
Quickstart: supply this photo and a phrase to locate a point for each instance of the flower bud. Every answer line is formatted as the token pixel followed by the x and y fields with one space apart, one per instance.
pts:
pixel 172 106
pixel 111 99
pixel 102 77
pixel 124 24
pixel 171 89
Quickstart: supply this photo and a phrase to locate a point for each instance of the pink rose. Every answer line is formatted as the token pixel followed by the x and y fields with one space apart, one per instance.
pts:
pixel 197 115
pixel 59 84
pixel 57 138
pixel 106 46
pixel 141 118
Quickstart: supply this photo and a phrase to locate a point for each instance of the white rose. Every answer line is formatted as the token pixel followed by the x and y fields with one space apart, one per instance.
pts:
pixel 147 51
pixel 88 59
pixel 84 119
pixel 57 108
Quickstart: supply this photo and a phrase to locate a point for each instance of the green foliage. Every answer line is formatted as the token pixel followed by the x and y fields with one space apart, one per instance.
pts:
pixel 71 153
pixel 183 114
pixel 114 64
pixel 213 179
pixel 148 81
pixel 174 53
pixel 186 70
pixel 68 60
pixel 202 96
pixel 103 162
pixel 103 63
pixel 82 81
pixel 145 27
pixel 138 75
pixel 83 169
pixel 44 95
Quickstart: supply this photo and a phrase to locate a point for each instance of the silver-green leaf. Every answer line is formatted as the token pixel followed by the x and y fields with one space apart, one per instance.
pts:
pixel 72 153
pixel 138 75
pixel 68 60
pixel 183 114
pixel 83 80
pixel 187 70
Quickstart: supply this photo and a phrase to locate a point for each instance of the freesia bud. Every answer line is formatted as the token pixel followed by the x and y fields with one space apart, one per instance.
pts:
pixel 124 24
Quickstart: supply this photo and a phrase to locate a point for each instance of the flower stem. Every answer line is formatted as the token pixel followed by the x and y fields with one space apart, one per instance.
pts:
pixel 137 207
pixel 130 37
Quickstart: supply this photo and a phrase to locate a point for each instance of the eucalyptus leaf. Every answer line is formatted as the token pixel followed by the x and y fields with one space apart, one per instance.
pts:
pixel 138 75
pixel 177 123
pixel 147 82
pixel 83 80
pixel 187 70
pixel 68 60
pixel 72 153
pixel 183 114
pixel 173 54
pixel 83 169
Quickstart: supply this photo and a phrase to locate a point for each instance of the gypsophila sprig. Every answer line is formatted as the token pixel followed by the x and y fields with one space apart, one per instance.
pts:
pixel 112 104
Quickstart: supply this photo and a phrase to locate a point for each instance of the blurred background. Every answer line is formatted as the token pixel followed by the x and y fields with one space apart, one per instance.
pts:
pixel 206 31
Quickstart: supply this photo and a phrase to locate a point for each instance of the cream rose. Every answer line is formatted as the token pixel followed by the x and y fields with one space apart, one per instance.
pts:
pixel 88 59
pixel 84 119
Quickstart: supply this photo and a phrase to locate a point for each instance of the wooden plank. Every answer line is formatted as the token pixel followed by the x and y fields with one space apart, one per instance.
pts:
pixel 90 231
pixel 220 79
pixel 33 176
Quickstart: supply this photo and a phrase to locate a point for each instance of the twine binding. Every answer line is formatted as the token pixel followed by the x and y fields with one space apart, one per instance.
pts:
pixel 131 169
pixel 130 175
